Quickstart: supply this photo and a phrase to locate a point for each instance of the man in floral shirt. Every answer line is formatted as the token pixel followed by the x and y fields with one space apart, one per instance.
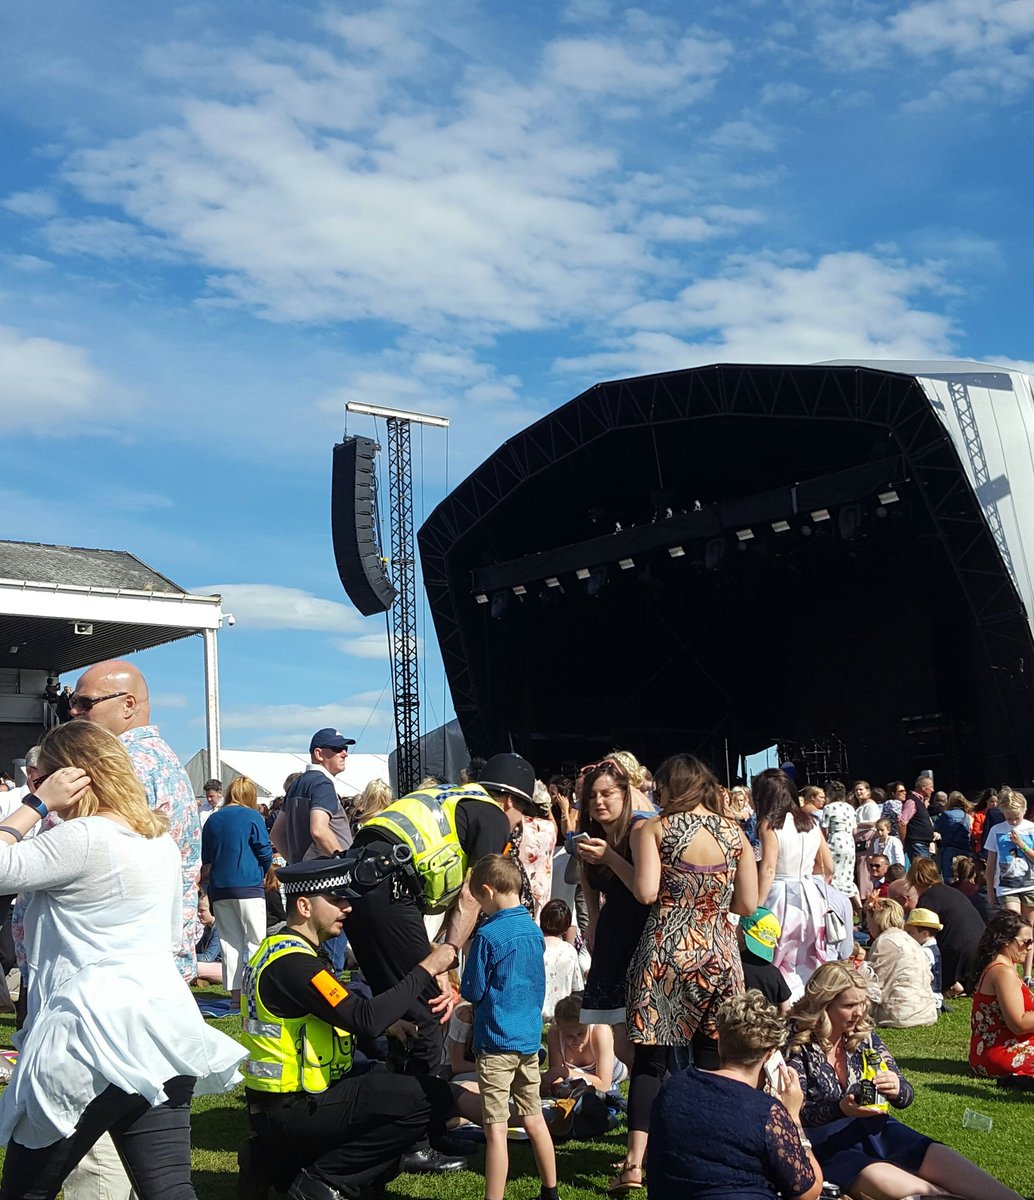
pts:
pixel 113 695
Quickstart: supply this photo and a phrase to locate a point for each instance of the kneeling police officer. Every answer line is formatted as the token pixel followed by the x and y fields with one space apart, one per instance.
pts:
pixel 321 1132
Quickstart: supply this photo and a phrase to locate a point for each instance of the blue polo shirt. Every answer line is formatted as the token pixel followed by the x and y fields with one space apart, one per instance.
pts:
pixel 505 980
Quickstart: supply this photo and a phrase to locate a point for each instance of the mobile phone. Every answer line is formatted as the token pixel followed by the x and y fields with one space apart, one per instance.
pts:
pixel 578 837
pixel 772 1068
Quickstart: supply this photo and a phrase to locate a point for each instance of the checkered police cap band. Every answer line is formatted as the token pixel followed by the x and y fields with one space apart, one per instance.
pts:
pixel 323 883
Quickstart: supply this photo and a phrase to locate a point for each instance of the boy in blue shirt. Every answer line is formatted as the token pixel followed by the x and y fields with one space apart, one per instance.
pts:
pixel 505 980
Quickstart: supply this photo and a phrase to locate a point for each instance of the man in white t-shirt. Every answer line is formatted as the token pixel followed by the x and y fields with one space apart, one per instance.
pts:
pixel 1010 863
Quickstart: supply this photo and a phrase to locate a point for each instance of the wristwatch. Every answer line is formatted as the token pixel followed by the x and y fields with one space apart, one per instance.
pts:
pixel 804 1138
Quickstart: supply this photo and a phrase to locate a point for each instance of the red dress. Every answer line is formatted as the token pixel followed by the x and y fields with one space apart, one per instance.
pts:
pixel 994 1050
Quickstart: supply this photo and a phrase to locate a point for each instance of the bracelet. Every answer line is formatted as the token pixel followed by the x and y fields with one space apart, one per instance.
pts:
pixel 36 804
pixel 15 833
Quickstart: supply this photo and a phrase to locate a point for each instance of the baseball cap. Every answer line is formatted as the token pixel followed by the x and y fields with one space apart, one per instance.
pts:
pixel 329 739
pixel 761 932
pixel 924 917
pixel 509 773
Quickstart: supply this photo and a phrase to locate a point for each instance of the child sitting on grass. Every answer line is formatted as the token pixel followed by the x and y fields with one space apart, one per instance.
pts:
pixel 563 972
pixel 505 980
pixel 924 926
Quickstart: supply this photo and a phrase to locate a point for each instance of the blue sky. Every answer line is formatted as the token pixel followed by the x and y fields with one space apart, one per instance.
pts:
pixel 219 222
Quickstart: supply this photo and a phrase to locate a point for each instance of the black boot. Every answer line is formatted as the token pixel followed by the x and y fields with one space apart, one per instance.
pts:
pixel 430 1162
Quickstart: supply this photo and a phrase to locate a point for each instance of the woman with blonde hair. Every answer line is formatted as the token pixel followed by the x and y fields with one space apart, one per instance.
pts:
pixel 235 857
pixel 858 1145
pixel 374 798
pixel 901 967
pixel 113 1039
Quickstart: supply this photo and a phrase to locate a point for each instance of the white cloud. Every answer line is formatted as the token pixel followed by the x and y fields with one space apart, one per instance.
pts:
pixel 38 203
pixel 845 305
pixel 318 182
pixel 270 606
pixel 990 44
pixel 743 135
pixel 288 726
pixel 166 700
pixel 48 386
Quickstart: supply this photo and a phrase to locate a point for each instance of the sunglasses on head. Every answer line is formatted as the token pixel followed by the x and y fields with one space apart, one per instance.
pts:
pixel 605 764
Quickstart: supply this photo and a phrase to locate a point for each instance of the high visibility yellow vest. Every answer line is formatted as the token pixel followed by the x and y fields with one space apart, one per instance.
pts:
pixel 288 1054
pixel 425 821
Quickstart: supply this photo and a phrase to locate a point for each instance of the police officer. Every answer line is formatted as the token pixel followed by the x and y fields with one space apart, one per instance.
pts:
pixel 321 1131
pixel 446 828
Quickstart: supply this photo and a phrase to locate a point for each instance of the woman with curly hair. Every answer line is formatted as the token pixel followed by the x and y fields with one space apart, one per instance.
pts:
pixel 716 1133
pixel 860 1147
pixel 1001 1044
pixel 113 1040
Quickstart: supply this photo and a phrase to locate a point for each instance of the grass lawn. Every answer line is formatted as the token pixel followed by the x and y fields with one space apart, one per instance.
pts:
pixel 933 1059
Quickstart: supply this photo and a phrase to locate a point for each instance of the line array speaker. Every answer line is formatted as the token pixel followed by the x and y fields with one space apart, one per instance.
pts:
pixel 353 517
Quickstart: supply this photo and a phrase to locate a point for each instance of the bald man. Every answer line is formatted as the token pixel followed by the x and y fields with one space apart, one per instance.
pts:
pixel 114 695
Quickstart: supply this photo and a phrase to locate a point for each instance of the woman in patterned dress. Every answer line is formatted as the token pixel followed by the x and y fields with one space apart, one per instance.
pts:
pixel 692 865
pixel 837 820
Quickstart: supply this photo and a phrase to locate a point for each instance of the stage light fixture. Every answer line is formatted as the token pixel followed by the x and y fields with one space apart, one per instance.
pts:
pixel 820 514
pixel 499 602
pixel 881 512
pixel 849 520
pixel 888 497
pixel 805 531
pixel 582 573
pixel 481 598
pixel 676 552
pixel 552 582
pixel 626 564
pixel 780 526
pixel 520 590
pixel 744 535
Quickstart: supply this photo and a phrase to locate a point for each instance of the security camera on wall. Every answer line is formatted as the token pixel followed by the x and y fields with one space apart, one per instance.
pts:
pixel 82 628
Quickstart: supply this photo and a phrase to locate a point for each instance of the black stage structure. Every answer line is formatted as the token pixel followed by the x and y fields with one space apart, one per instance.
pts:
pixel 723 558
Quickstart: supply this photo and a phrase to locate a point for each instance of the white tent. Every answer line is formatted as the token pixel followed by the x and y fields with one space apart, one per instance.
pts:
pixel 269 768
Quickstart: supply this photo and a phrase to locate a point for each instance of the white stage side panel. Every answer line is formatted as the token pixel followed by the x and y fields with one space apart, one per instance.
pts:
pixel 988 412
pixel 989 416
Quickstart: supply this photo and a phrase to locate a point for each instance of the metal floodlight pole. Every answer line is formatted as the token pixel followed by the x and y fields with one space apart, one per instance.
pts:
pixel 405 665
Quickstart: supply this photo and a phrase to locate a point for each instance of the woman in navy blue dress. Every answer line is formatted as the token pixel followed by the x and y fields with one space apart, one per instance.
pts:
pixel 715 1133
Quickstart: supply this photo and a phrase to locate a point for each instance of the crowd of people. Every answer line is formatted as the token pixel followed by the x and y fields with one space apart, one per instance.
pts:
pixel 492 958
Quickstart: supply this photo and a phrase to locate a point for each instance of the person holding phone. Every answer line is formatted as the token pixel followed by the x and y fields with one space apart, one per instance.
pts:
pixel 718 1133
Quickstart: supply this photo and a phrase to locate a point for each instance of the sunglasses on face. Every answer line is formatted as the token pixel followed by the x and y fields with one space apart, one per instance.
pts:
pixel 1024 943
pixel 85 703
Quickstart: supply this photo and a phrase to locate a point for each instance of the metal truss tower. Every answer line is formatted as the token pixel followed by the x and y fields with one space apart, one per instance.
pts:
pixel 405 661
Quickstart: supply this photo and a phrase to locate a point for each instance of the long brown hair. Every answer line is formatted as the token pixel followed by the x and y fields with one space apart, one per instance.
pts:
pixel 617 836
pixel 114 786
pixel 687 783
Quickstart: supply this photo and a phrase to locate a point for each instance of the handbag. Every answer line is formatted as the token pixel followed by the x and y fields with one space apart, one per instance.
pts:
pixel 836 930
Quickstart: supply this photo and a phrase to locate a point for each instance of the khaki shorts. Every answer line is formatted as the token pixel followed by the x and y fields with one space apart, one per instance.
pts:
pixel 1019 900
pixel 504 1075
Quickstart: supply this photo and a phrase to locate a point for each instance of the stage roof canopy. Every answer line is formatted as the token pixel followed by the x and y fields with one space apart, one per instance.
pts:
pixel 734 555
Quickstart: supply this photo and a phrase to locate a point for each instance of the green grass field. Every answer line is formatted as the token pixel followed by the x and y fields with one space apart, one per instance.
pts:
pixel 933 1059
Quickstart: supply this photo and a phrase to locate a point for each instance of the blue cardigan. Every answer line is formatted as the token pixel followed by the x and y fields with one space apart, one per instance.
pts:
pixel 235 846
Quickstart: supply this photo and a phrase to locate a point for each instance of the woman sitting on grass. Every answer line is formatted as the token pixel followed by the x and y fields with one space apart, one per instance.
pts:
pixel 903 970
pixel 859 1146
pixel 1001 1044
pixel 579 1054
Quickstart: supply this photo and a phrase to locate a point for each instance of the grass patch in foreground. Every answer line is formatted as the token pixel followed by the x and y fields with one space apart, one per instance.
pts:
pixel 933 1059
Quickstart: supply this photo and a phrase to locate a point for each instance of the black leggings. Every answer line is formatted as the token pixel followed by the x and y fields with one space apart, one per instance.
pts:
pixel 153 1143
pixel 649 1066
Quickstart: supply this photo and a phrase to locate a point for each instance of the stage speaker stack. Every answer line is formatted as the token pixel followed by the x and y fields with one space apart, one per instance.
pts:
pixel 353 515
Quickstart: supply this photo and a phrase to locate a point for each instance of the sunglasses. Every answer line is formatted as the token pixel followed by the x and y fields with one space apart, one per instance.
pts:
pixel 85 703
pixel 1025 943
pixel 605 764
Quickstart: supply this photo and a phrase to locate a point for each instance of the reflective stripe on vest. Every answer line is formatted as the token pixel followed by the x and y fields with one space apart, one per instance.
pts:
pixel 288 1054
pixel 425 821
